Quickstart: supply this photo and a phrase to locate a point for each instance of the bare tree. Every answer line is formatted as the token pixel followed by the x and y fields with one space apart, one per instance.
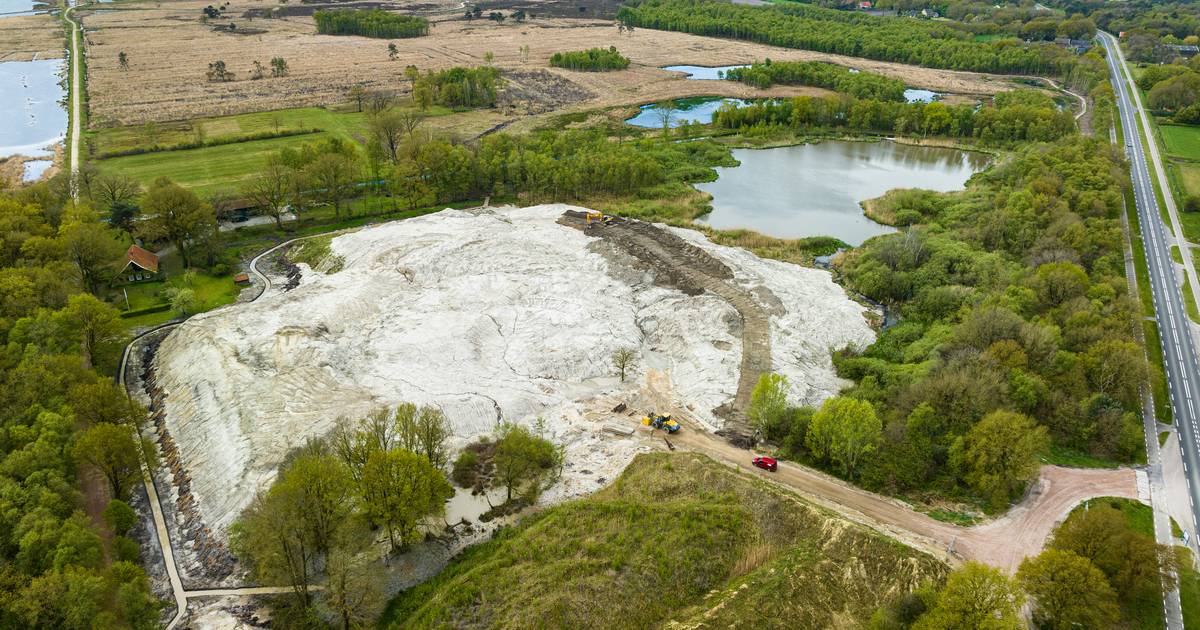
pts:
pixel 272 190
pixel 665 111
pixel 624 359
pixel 111 189
pixel 332 177
pixel 389 128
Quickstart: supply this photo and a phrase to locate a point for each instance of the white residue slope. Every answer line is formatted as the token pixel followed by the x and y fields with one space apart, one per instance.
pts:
pixel 502 314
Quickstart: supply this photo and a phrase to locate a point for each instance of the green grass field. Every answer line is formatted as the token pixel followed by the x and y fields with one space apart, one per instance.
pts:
pixel 1182 141
pixel 1189 589
pixel 1063 456
pixel 677 540
pixel 223 167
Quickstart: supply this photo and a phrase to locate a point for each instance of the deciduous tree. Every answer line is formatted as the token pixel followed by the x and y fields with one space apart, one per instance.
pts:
pixel 176 214
pixel 272 190
pixel 524 462
pixel 91 247
pixel 112 450
pixel 975 596
pixel 844 430
pixel 1068 591
pixel 997 457
pixel 402 488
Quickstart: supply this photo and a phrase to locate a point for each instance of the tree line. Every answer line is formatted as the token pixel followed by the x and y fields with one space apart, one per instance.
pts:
pixel 930 44
pixel 593 59
pixel 1014 334
pixel 66 429
pixel 1001 122
pixel 820 74
pixel 369 23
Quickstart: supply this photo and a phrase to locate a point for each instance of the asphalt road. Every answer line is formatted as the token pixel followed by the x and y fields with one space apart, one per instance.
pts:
pixel 1183 374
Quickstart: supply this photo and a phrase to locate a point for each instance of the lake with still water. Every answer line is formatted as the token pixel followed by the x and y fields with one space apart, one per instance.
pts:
pixel 31 107
pixel 702 73
pixel 687 110
pixel 815 189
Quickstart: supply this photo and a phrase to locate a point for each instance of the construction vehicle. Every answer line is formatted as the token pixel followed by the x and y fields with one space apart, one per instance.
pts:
pixel 660 421
pixel 599 218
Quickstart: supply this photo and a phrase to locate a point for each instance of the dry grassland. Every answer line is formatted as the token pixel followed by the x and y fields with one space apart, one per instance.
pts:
pixel 169 51
pixel 28 37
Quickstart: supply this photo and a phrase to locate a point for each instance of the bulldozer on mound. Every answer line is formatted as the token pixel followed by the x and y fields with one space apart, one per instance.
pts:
pixel 660 421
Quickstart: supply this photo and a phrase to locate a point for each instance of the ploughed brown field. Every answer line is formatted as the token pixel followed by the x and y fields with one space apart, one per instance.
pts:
pixel 169 50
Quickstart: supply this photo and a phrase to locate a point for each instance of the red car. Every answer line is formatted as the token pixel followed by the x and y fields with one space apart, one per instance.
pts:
pixel 766 463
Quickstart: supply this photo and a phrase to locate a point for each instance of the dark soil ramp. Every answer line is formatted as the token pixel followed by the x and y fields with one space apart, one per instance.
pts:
pixel 678 264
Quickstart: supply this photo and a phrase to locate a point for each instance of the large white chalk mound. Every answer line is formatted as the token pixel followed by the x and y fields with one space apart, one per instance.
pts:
pixel 487 315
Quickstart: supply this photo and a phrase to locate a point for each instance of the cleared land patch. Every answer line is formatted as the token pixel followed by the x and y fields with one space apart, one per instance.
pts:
pixel 169 50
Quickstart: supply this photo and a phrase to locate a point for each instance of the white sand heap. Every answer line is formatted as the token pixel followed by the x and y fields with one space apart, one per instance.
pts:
pixel 491 315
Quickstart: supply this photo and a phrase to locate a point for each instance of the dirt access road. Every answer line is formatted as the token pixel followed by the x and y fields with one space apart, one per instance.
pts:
pixel 1002 543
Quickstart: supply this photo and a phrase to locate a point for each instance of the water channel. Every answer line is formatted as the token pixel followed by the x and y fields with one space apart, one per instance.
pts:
pixel 816 189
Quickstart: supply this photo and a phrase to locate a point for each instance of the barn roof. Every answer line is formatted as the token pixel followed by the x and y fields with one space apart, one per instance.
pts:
pixel 142 258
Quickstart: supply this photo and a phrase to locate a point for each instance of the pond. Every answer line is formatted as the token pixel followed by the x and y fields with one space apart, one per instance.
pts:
pixel 701 73
pixel 34 169
pixel 815 189
pixel 31 97
pixel 688 110
pixel 921 96
pixel 22 7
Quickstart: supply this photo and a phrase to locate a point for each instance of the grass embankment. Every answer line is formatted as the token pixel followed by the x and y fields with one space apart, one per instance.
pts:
pixel 1158 375
pixel 317 253
pixel 232 154
pixel 676 538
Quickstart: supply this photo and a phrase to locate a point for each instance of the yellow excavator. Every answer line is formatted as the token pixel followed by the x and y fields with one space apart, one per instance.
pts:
pixel 595 216
pixel 660 421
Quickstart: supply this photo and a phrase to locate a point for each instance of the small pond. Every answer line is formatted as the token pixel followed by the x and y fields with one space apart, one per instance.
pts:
pixel 921 96
pixel 703 73
pixel 34 169
pixel 815 189
pixel 10 8
pixel 688 110
pixel 31 98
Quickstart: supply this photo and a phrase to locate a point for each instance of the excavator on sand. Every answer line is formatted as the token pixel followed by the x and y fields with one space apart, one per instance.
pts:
pixel 660 421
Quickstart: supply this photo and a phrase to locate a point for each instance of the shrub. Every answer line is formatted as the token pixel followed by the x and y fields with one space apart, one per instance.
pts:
pixel 119 516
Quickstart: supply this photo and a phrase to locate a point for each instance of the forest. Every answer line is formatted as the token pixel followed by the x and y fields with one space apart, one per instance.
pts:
pixel 67 431
pixel 924 43
pixel 369 23
pixel 819 74
pixel 592 59
pixel 1014 332
pixel 1022 119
